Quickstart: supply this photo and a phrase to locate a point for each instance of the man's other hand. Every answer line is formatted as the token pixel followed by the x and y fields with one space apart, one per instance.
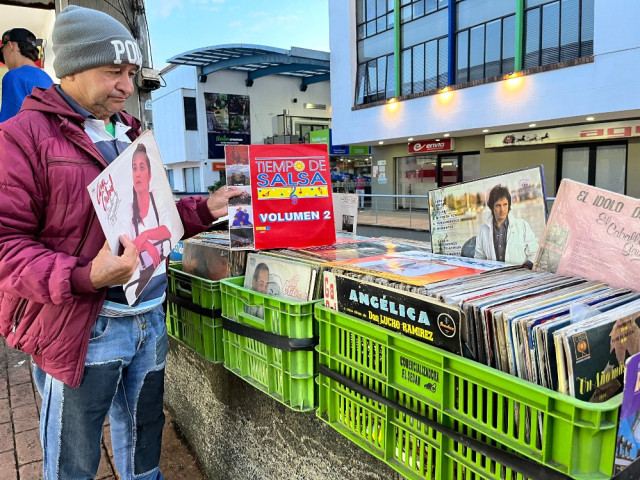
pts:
pixel 108 269
pixel 218 202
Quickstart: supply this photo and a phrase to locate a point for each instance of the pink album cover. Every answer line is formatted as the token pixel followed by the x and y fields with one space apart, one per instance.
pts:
pixel 594 234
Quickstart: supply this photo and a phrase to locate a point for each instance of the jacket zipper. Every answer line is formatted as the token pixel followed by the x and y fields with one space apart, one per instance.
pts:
pixel 17 316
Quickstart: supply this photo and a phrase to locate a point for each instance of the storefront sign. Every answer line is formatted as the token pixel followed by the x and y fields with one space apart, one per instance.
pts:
pixel 217 166
pixel 575 133
pixel 359 150
pixel 427 146
pixel 324 136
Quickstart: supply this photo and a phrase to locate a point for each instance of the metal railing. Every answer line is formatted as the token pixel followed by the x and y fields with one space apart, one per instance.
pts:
pixel 401 211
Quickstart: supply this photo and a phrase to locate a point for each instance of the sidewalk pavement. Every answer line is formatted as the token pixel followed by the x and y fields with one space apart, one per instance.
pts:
pixel 20 450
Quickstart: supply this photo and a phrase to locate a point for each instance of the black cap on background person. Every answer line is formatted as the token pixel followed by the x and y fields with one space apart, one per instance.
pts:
pixel 26 40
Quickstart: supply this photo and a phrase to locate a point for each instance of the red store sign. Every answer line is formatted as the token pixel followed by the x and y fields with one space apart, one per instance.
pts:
pixel 441 145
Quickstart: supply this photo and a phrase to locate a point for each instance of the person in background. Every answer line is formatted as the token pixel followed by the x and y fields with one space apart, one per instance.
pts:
pixel 61 294
pixel 503 236
pixel 19 52
pixel 360 184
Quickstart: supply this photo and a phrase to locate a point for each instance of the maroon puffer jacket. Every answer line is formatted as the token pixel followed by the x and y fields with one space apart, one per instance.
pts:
pixel 49 233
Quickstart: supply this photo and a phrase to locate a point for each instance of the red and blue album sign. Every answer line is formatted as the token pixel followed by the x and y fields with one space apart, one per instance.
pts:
pixel 287 196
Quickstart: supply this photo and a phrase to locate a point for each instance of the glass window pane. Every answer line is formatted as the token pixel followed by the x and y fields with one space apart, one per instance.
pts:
pixel 492 51
pixel 418 68
pixel 406 72
pixel 431 6
pixel 476 53
pixel 610 167
pixel 406 14
pixel 462 57
pixel 508 44
pixel 371 28
pixel 382 76
pixel 418 8
pixel 382 23
pixel 569 41
pixel 372 77
pixel 443 3
pixel 448 170
pixel 371 9
pixel 359 11
pixel 390 5
pixel 190 116
pixel 381 7
pixel 431 65
pixel 443 62
pixel 550 33
pixel 390 20
pixel 391 77
pixel 360 84
pixel 586 42
pixel 361 31
pixel 575 164
pixel 532 38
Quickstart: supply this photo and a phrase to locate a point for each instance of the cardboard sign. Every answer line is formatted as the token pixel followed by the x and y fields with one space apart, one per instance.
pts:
pixel 287 201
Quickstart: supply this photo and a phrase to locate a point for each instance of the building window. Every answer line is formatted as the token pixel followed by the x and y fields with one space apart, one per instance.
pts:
pixel 486 50
pixel 375 80
pixel 412 9
pixel 170 178
pixel 190 117
pixel 557 31
pixel 425 66
pixel 192 180
pixel 600 165
pixel 373 17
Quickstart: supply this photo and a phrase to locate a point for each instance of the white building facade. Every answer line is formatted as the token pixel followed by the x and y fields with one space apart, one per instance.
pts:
pixel 236 94
pixel 449 90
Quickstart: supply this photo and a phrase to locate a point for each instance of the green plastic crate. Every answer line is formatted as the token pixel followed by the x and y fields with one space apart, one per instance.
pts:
pixel 573 437
pixel 287 376
pixel 193 313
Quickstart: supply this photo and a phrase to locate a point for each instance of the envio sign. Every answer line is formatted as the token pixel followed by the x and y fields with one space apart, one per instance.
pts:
pixel 439 145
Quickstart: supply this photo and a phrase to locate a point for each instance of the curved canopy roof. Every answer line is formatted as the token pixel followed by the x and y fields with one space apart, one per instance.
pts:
pixel 311 66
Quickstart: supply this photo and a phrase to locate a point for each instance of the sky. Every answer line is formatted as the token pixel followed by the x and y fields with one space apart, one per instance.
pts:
pixel 178 26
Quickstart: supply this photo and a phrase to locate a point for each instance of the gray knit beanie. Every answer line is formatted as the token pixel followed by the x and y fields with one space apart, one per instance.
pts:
pixel 84 38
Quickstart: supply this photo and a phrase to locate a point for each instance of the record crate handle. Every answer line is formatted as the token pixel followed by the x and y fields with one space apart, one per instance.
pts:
pixel 528 468
pixel 252 320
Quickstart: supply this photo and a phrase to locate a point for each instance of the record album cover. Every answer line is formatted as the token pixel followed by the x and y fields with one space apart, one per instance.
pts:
pixel 132 196
pixel 466 217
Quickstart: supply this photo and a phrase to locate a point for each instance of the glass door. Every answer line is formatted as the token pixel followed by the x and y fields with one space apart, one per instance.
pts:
pixel 416 175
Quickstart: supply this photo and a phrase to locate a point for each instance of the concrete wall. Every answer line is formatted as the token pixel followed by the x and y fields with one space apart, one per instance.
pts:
pixel 237 431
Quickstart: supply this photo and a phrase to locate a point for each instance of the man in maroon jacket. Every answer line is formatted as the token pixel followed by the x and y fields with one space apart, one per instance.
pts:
pixel 61 296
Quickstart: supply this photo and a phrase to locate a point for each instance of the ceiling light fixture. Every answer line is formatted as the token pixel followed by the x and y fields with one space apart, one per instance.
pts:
pixel 590 119
pixel 446 135
pixel 410 139
pixel 380 142
pixel 486 130
pixel 531 125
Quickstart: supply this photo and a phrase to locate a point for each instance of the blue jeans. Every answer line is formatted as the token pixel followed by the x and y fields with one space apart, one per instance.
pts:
pixel 123 376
